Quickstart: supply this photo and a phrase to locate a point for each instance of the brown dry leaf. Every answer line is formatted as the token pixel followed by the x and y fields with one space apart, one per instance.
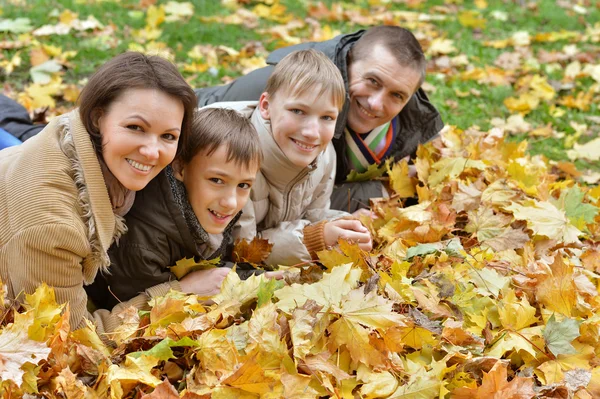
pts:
pixel 255 251
pixel 163 391
pixel 495 385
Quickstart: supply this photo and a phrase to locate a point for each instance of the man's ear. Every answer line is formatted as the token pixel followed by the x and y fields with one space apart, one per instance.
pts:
pixel 263 106
pixel 178 169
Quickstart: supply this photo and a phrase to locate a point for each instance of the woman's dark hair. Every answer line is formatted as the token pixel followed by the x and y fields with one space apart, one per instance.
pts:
pixel 133 70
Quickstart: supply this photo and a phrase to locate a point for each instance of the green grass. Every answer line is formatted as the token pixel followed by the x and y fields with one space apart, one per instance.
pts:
pixel 533 17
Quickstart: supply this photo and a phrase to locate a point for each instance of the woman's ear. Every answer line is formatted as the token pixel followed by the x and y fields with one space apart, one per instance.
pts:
pixel 263 106
pixel 178 168
pixel 96 114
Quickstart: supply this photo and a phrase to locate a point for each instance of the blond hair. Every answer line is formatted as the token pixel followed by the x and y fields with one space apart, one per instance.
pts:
pixel 304 70
pixel 214 127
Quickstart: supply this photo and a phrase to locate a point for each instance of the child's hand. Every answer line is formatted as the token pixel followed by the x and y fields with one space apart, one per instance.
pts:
pixel 204 282
pixel 347 229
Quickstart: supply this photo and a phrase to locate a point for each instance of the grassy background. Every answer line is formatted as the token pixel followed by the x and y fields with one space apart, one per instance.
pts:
pixel 127 16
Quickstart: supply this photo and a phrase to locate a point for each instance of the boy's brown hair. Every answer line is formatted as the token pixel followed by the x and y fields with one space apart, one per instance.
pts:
pixel 214 127
pixel 303 70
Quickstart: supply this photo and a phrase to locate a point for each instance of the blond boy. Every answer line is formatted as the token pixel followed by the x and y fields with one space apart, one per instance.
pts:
pixel 295 120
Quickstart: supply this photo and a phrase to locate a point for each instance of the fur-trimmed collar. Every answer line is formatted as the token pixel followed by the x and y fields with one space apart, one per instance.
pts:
pixel 103 226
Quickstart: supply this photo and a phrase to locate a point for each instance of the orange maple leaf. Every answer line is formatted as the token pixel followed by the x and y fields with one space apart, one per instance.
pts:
pixel 255 251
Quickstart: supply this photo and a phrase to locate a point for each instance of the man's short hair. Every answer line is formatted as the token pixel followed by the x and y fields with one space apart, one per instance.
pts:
pixel 302 71
pixel 400 42
pixel 214 127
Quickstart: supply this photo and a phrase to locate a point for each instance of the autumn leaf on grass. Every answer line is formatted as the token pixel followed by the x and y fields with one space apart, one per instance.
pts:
pixel 495 384
pixel 42 74
pixel 17 25
pixel 255 251
pixel 589 151
pixel 374 170
pixel 187 265
pixel 559 335
pixel 17 349
pixel 545 219
pixel 177 11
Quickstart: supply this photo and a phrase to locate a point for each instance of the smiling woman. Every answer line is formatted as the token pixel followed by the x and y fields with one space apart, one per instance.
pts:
pixel 67 189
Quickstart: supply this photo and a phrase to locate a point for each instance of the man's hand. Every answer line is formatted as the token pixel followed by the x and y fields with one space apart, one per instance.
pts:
pixel 347 229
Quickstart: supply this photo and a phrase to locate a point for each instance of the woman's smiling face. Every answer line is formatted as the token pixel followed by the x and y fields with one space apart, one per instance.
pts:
pixel 140 130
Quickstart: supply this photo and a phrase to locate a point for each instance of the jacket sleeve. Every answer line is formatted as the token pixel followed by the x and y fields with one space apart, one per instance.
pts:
pixel 134 269
pixel 54 254
pixel 244 88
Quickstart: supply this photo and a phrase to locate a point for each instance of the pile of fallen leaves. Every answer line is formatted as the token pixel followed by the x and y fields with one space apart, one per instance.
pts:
pixel 485 288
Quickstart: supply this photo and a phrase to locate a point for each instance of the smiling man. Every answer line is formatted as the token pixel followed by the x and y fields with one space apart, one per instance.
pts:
pixel 386 114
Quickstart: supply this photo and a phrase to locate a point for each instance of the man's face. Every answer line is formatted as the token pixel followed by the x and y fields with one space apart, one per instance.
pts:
pixel 302 125
pixel 216 188
pixel 379 88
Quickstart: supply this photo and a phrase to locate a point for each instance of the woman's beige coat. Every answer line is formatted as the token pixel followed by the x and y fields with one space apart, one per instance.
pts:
pixel 56 220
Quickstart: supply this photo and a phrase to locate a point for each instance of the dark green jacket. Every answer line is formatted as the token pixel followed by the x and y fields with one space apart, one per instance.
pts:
pixel 162 229
pixel 419 120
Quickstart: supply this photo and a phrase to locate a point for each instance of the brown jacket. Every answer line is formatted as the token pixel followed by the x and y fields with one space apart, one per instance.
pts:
pixel 56 220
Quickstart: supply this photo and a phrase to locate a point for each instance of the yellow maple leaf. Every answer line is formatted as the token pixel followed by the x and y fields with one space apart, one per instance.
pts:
pixel 402 184
pixel 546 219
pixel 332 287
pixel 187 265
pixel 376 384
pixel 67 17
pixel 46 312
pixel 557 290
pixel 471 19
pixel 155 16
pixel 515 314
pixel 541 88
pixel 525 103
pixel 135 370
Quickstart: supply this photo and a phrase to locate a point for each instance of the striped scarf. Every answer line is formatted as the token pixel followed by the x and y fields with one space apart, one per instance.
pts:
pixel 369 148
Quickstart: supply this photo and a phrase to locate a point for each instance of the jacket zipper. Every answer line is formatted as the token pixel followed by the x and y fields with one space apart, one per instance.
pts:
pixel 289 189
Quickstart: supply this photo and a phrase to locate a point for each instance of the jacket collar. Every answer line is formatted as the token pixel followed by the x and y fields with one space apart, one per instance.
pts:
pixel 102 224
pixel 276 166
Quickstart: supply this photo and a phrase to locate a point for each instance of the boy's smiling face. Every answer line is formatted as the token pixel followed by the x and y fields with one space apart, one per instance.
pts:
pixel 216 189
pixel 302 125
